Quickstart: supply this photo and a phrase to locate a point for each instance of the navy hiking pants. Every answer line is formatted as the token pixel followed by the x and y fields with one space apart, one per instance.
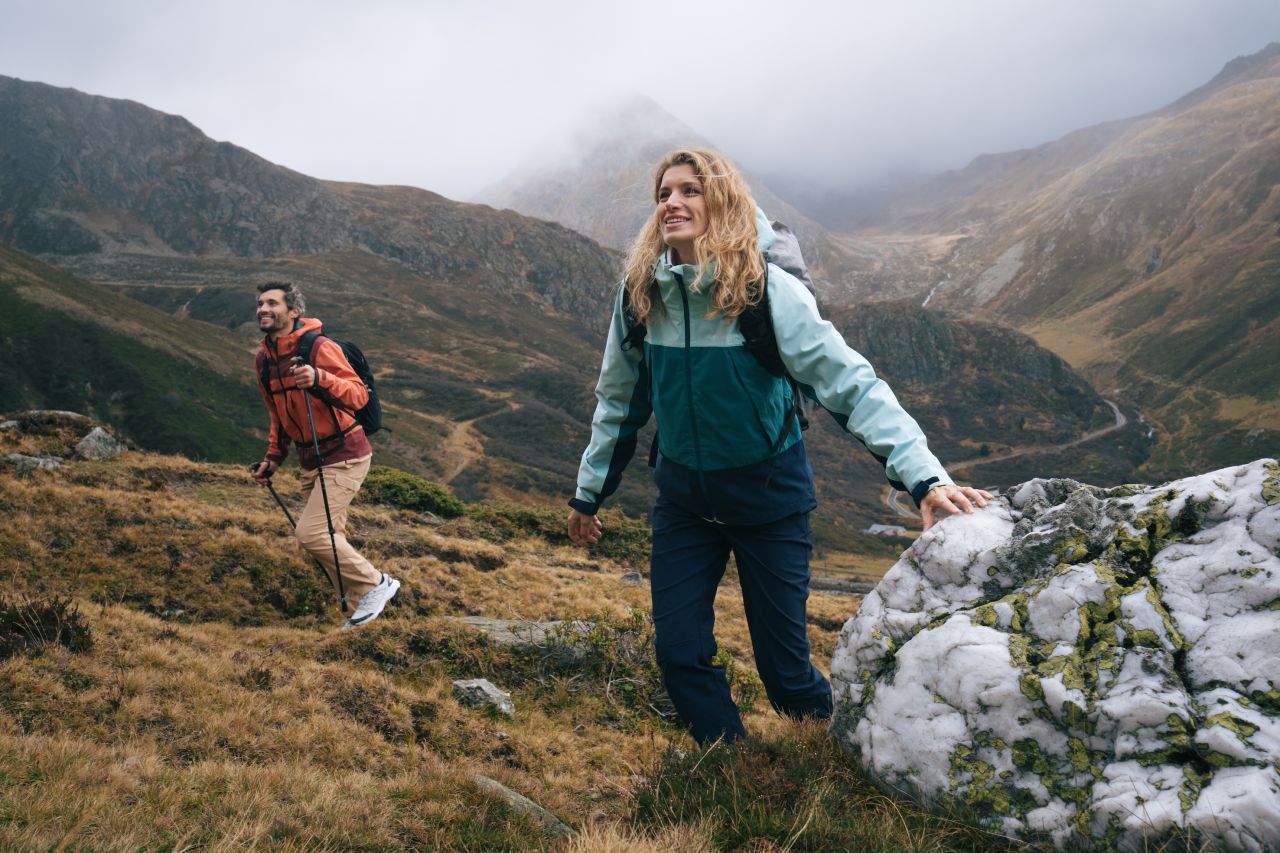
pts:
pixel 688 560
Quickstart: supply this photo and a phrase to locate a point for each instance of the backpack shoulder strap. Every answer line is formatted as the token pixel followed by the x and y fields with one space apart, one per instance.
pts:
pixel 307 345
pixel 264 372
pixel 306 351
pixel 636 331
pixel 756 325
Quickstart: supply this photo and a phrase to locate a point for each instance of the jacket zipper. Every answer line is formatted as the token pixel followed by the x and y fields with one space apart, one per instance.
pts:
pixel 693 412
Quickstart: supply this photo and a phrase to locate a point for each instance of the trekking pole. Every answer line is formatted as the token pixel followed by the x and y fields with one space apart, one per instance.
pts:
pixel 293 524
pixel 279 502
pixel 324 497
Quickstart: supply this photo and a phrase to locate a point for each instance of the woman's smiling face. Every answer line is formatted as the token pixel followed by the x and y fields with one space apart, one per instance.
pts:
pixel 682 210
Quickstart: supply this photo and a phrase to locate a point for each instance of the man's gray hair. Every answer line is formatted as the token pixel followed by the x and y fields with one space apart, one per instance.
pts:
pixel 293 297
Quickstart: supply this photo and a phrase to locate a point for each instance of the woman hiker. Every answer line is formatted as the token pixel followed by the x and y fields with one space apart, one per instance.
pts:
pixel 731 468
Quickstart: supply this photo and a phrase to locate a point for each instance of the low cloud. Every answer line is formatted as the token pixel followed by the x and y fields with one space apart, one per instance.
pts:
pixel 452 97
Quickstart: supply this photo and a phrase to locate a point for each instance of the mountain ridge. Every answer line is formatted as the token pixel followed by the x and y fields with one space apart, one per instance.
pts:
pixel 1144 251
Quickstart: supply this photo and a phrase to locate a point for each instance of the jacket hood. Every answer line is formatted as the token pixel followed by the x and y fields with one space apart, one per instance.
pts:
pixel 289 343
pixel 764 230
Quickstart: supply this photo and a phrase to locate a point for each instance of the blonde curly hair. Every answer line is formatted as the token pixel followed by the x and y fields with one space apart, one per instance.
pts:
pixel 730 242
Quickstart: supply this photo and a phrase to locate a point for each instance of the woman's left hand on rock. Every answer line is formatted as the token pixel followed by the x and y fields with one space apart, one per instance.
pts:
pixel 942 501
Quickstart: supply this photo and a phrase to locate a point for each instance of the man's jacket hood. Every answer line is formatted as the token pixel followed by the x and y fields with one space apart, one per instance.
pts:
pixel 286 345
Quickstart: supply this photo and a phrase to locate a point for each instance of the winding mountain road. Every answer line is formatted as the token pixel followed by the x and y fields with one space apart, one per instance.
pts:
pixel 462 445
pixel 892 498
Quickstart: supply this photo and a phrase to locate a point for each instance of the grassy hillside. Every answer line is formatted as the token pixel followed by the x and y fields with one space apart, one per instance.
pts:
pixel 171 677
pixel 67 344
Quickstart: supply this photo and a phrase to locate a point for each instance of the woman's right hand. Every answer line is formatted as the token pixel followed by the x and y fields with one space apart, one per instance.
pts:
pixel 584 529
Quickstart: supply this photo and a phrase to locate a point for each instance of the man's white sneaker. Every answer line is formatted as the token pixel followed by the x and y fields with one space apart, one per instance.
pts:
pixel 372 602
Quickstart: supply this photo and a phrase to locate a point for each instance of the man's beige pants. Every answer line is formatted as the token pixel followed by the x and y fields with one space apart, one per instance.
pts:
pixel 341 480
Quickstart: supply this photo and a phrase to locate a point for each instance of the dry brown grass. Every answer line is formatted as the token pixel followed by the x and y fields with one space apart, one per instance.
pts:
pixel 217 709
pixel 616 837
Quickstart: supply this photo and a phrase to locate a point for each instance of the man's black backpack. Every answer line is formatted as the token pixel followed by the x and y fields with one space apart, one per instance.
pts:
pixel 370 415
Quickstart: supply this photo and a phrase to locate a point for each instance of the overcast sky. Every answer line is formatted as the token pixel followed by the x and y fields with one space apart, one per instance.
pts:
pixel 451 96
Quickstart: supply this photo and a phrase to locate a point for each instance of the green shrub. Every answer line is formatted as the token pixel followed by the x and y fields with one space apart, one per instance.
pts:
pixel 401 489
pixel 34 623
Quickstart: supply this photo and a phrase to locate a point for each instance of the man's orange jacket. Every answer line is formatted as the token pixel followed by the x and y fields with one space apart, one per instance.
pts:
pixel 341 437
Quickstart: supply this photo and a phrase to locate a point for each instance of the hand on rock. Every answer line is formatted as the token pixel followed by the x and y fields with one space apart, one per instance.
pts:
pixel 942 501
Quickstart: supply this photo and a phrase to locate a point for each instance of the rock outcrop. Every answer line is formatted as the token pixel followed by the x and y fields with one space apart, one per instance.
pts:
pixel 1088 665
pixel 99 444
pixel 482 693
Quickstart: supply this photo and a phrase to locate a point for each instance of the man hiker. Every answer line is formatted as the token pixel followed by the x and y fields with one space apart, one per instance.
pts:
pixel 311 398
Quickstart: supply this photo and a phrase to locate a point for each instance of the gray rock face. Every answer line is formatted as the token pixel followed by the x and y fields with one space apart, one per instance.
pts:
pixel 99 444
pixel 1088 665
pixel 555 639
pixel 26 464
pixel 480 693
pixel 519 632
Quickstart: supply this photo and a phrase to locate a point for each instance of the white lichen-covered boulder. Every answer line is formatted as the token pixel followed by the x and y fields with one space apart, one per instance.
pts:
pixel 1091 666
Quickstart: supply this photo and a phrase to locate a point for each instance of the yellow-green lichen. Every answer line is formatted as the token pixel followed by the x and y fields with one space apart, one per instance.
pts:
pixel 1128 490
pixel 1079 755
pixel 974 782
pixel 1268 701
pixel 984 615
pixel 1028 756
pixel 1069 665
pixel 1243 728
pixel 1077 718
pixel 1193 782
pixel 1074 549
pixel 1271 485
pixel 1179 734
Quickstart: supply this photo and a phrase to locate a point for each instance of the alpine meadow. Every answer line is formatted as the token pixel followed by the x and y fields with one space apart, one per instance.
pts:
pixel 1089 329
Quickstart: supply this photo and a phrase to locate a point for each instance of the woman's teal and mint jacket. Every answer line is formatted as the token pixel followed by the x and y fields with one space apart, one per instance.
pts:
pixel 721 416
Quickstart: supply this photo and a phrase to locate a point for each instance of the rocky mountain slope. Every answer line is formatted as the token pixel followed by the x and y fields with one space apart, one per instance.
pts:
pixel 116 183
pixel 1143 251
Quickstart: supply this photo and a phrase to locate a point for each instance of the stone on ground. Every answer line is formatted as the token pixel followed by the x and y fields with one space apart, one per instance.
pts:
pixel 481 693
pixel 26 464
pixel 549 822
pixel 1092 666
pixel 99 444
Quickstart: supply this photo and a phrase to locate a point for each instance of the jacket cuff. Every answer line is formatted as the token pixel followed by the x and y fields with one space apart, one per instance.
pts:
pixel 584 507
pixel 922 488
pixel 277 457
